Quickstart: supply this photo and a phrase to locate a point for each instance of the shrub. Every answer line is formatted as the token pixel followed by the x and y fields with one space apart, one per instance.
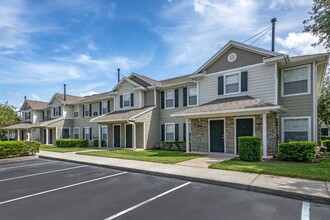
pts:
pixel 18 148
pixel 298 151
pixel 326 143
pixel 103 143
pixel 324 138
pixel 70 143
pixel 249 148
pixel 170 144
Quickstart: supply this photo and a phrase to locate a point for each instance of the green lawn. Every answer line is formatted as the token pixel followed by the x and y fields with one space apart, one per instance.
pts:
pixel 315 171
pixel 54 148
pixel 158 156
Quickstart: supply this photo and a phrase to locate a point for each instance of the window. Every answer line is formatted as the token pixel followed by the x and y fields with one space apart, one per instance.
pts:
pixel 105 134
pixel 126 100
pixel 57 111
pixel 169 99
pixel 27 115
pixel 169 132
pixel 295 81
pixel 232 57
pixel 296 129
pixel 87 134
pixel 87 110
pixel 104 107
pixel 76 132
pixel 232 83
pixel 192 95
pixel 76 111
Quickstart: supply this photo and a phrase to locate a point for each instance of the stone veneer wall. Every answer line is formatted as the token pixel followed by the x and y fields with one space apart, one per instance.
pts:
pixel 199 133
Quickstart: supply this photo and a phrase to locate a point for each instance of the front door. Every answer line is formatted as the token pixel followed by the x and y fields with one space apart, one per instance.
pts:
pixel 65 133
pixel 129 132
pixel 217 136
pixel 244 127
pixel 116 135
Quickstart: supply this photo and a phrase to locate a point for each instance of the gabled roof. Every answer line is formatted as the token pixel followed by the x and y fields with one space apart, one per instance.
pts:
pixel 127 80
pixel 176 80
pixel 23 125
pixel 94 97
pixel 151 82
pixel 237 44
pixel 70 99
pixel 35 105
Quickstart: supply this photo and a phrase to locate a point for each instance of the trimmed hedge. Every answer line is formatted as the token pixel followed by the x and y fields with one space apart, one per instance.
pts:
pixel 170 144
pixel 103 143
pixel 70 143
pixel 297 151
pixel 325 138
pixel 18 148
pixel 249 148
pixel 326 143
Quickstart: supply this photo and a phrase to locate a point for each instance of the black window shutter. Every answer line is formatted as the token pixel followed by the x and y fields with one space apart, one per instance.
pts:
pixel 244 81
pixel 100 108
pixel 90 133
pixel 83 110
pixel 90 110
pixel 176 97
pixel 54 111
pixel 185 96
pixel 163 132
pixel 121 101
pixel 43 116
pixel 162 99
pixel 83 133
pixel 132 99
pixel 108 106
pixel 59 110
pixel 220 85
pixel 184 131
pixel 176 132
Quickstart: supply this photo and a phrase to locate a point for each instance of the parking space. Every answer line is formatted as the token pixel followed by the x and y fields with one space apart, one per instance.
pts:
pixel 45 189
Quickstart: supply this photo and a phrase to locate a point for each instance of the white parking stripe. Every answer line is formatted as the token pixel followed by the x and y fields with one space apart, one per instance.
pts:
pixel 27 165
pixel 305 214
pixel 145 202
pixel 60 188
pixel 42 173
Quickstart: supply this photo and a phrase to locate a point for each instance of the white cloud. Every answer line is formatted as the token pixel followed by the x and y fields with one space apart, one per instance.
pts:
pixel 15 94
pixel 300 43
pixel 280 4
pixel 35 97
pixel 92 46
pixel 89 93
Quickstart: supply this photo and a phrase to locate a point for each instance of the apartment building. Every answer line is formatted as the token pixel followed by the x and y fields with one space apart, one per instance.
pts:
pixel 241 90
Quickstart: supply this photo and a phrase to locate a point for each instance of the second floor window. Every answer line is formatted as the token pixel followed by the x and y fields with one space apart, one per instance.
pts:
pixel 127 100
pixel 169 99
pixel 295 80
pixel 76 112
pixel 27 115
pixel 104 107
pixel 232 83
pixel 192 95
pixel 57 111
pixel 87 110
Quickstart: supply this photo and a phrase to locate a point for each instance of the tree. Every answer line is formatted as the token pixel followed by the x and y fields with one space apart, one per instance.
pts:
pixel 8 117
pixel 324 102
pixel 318 23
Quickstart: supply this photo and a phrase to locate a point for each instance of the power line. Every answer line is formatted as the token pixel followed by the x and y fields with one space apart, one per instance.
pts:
pixel 260 37
pixel 267 29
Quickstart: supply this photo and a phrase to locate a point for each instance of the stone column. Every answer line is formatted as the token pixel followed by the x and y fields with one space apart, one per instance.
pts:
pixel 264 136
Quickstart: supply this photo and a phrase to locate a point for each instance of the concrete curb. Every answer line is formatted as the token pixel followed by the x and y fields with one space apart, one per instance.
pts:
pixel 282 193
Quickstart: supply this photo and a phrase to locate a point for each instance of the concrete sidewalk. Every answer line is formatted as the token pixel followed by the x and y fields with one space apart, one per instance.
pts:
pixel 316 191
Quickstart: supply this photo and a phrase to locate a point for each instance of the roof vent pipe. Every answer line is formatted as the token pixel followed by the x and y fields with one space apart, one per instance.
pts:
pixel 273 33
pixel 118 70
pixel 64 92
pixel 25 98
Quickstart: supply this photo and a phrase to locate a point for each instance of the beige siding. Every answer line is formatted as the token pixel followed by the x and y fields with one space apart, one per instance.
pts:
pixel 244 58
pixel 149 97
pixel 37 116
pixel 260 84
pixel 127 88
pixel 67 111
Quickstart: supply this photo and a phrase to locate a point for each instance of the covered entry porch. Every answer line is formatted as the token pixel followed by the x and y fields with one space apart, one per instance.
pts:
pixel 20 131
pixel 216 126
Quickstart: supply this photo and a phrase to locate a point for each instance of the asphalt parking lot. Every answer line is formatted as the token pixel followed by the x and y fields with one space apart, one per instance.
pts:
pixel 46 189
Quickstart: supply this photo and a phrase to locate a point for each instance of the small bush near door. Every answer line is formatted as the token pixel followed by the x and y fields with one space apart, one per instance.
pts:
pixel 249 148
pixel 18 148
pixel 69 143
pixel 103 143
pixel 297 151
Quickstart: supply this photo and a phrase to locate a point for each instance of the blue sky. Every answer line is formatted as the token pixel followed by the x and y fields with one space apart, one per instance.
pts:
pixel 44 44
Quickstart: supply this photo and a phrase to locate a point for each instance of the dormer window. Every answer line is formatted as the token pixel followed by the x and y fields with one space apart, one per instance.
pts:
pixel 27 115
pixel 57 111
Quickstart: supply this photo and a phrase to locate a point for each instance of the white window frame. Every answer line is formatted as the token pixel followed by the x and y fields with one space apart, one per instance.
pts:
pixel 74 129
pixel 106 107
pixel 129 96
pixel 225 83
pixel 25 119
pixel 107 129
pixel 55 110
pixel 87 129
pixel 171 90
pixel 308 81
pixel 173 124
pixel 188 104
pixel 86 116
pixel 74 111
pixel 309 118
